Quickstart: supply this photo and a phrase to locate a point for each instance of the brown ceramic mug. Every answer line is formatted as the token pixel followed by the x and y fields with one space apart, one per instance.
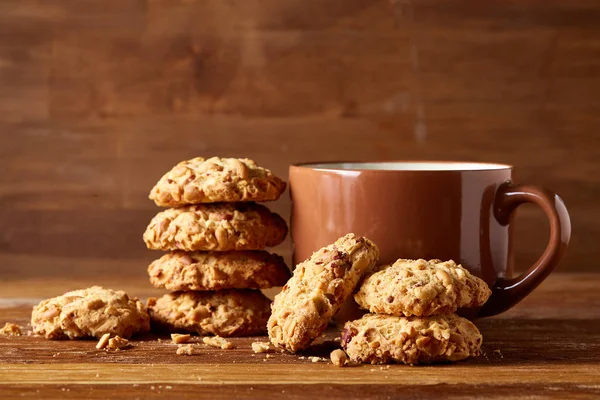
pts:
pixel 444 210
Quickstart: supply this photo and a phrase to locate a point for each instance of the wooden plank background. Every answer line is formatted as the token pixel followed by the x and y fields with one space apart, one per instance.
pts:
pixel 99 98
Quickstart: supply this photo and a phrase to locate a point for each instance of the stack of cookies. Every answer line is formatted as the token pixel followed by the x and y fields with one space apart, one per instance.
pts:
pixel 216 235
pixel 413 304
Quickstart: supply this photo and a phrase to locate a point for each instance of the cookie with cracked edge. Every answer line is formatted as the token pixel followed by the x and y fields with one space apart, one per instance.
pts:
pixel 384 339
pixel 421 288
pixel 231 312
pixel 317 289
pixel 218 227
pixel 212 180
pixel 211 270
pixel 90 313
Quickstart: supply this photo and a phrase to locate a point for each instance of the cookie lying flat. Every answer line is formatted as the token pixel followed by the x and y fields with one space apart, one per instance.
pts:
pixel 223 313
pixel 90 313
pixel 383 339
pixel 318 288
pixel 218 270
pixel 219 226
pixel 422 288
pixel 214 180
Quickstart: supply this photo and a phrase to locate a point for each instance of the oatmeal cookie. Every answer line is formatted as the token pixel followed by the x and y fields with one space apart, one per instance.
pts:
pixel 224 312
pixel 214 180
pixel 219 226
pixel 317 289
pixel 421 288
pixel 90 313
pixel 383 339
pixel 218 270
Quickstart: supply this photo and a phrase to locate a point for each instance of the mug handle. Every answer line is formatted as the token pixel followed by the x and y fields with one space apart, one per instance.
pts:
pixel 508 292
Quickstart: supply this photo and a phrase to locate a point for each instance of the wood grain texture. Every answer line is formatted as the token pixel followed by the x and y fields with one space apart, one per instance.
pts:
pixel 547 347
pixel 99 99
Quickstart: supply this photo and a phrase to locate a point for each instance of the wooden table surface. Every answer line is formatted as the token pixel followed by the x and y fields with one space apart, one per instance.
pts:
pixel 547 347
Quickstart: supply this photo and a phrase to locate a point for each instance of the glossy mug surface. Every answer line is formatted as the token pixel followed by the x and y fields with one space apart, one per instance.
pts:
pixel 445 210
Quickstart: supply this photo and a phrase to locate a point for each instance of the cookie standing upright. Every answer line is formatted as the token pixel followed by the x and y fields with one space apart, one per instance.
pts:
pixel 217 235
pixel 317 289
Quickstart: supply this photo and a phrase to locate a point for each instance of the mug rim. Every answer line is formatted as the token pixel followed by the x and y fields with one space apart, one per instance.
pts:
pixel 433 166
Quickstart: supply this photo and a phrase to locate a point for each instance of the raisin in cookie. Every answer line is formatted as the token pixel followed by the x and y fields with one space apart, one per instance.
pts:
pixel 224 312
pixel 219 226
pixel 218 270
pixel 318 288
pixel 214 180
pixel 90 313
pixel 383 339
pixel 421 288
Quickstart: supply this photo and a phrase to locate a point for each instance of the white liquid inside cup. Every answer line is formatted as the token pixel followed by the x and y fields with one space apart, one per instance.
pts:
pixel 409 166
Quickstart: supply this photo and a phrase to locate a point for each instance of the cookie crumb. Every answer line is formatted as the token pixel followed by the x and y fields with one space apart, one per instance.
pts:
pixel 338 357
pixel 10 329
pixel 268 356
pixel 55 354
pixel 103 342
pixel 260 347
pixel 301 358
pixel 187 350
pixel 179 338
pixel 497 351
pixel 218 342
pixel 117 343
pixel 316 359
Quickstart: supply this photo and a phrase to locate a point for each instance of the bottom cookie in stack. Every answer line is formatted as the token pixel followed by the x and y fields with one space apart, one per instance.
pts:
pixel 417 300
pixel 216 292
pixel 229 312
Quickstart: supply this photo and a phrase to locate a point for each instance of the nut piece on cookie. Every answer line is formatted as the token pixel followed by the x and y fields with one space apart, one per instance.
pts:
pixel 219 226
pixel 318 288
pixel 241 312
pixel 214 180
pixel 421 288
pixel 211 270
pixel 90 313
pixel 383 339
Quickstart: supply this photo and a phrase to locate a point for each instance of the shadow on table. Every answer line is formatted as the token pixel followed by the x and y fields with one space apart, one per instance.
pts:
pixel 524 341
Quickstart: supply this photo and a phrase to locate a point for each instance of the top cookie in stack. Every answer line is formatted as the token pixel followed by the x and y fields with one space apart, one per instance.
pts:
pixel 215 247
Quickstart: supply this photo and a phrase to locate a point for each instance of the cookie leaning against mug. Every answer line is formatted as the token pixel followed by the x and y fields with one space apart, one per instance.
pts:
pixel 214 180
pixel 317 289
pixel 382 339
pixel 422 288
pixel 217 226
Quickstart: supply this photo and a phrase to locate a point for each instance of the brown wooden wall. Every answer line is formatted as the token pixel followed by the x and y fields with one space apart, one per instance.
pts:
pixel 99 98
